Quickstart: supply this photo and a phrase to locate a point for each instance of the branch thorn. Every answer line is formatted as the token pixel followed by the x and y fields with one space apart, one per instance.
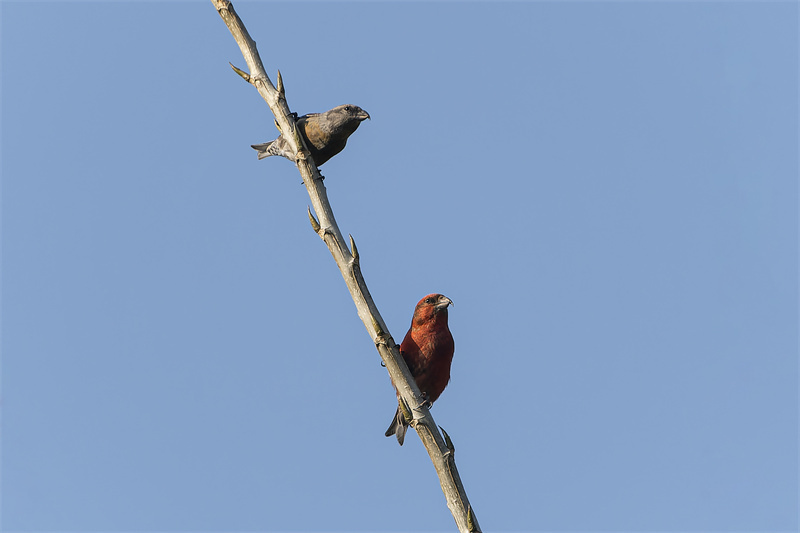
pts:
pixel 241 73
pixel 471 520
pixel 406 411
pixel 448 441
pixel 281 89
pixel 354 249
pixel 314 223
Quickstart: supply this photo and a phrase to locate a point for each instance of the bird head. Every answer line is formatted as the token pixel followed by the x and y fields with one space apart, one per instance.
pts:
pixel 354 112
pixel 343 120
pixel 432 307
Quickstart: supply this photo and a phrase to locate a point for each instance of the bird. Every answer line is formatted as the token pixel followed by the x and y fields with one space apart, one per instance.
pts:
pixel 325 134
pixel 427 349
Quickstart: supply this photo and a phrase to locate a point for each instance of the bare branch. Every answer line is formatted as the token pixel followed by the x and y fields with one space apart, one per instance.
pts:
pixel 440 452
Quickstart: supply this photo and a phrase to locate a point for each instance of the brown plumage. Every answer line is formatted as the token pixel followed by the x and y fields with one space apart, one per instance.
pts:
pixel 428 349
pixel 325 134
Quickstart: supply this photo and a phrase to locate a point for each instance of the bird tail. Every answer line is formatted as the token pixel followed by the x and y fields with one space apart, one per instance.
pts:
pixel 263 149
pixel 398 426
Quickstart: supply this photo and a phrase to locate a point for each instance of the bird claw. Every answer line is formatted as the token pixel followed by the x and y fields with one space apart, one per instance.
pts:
pixel 426 402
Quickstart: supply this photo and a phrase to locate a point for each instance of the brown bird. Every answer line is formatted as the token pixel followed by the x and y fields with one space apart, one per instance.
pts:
pixel 325 134
pixel 428 351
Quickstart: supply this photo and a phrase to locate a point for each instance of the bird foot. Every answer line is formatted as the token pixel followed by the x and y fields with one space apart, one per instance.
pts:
pixel 426 402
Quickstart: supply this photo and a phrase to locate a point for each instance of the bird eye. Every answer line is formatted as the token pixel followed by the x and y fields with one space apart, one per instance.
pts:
pixel 428 300
pixel 347 108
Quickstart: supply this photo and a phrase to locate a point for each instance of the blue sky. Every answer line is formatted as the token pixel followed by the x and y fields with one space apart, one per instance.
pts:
pixel 607 191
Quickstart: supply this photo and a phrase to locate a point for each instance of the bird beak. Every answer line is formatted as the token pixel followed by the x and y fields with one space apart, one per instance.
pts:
pixel 443 303
pixel 363 115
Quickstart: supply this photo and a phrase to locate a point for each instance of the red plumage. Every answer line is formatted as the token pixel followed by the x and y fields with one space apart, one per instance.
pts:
pixel 428 349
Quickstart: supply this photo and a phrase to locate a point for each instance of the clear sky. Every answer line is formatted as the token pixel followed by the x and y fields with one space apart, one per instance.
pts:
pixel 608 191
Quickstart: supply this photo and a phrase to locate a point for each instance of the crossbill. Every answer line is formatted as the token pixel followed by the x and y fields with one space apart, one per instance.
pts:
pixel 428 349
pixel 325 134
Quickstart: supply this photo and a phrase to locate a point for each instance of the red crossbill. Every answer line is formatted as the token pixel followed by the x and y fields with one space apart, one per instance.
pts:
pixel 428 351
pixel 325 134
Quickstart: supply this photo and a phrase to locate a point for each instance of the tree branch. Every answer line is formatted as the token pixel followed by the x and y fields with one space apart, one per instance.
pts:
pixel 440 451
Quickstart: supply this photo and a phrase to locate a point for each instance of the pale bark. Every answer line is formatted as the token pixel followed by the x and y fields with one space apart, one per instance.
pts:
pixel 440 451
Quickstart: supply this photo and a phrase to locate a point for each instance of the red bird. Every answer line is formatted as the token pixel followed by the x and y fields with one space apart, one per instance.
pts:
pixel 428 351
